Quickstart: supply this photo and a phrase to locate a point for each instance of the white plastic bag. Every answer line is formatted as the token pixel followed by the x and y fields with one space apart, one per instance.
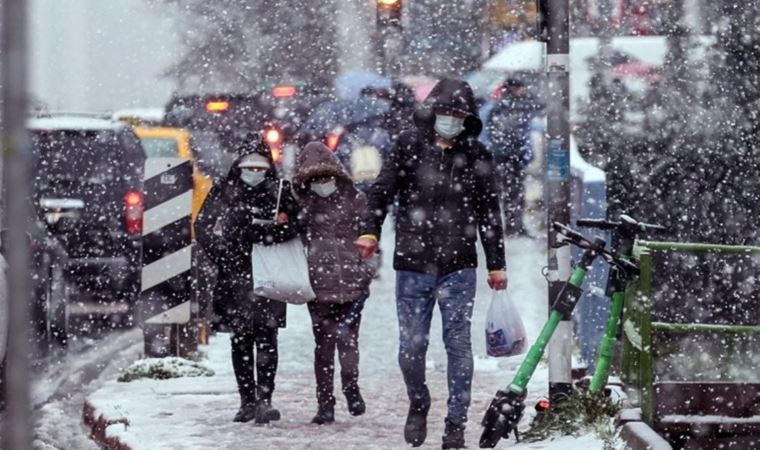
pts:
pixel 281 272
pixel 505 331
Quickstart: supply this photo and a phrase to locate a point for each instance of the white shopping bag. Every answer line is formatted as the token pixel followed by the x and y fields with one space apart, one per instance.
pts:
pixel 281 271
pixel 366 164
pixel 505 331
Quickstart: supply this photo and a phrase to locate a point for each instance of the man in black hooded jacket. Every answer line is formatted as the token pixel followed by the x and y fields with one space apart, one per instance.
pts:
pixel 444 181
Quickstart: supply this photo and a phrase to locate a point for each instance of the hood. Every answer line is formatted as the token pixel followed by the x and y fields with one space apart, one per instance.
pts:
pixel 450 94
pixel 316 160
pixel 252 144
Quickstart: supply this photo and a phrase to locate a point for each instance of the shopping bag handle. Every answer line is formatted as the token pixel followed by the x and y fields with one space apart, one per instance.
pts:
pixel 279 198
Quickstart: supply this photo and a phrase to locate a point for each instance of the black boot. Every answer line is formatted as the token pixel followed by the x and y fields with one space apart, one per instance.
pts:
pixel 356 405
pixel 415 430
pixel 246 413
pixel 265 413
pixel 453 436
pixel 325 415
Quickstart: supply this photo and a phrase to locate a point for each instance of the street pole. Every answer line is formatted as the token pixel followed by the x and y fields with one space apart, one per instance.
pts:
pixel 557 187
pixel 17 432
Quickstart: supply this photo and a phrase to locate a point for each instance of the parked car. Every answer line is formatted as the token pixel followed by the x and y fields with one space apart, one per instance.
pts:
pixel 88 193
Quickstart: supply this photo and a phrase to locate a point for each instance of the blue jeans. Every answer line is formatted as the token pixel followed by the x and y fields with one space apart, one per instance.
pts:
pixel 416 295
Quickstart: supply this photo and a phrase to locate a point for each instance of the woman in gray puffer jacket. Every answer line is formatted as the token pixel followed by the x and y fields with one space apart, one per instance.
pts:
pixel 331 211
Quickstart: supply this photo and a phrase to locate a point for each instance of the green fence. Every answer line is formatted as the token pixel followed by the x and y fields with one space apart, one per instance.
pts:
pixel 692 316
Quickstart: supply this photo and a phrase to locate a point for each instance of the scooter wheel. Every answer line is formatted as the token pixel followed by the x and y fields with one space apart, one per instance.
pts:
pixel 494 428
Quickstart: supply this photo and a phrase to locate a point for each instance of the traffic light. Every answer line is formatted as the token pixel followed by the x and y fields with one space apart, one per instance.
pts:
pixel 389 13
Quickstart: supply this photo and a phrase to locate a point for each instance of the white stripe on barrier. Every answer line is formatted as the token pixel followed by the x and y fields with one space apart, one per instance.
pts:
pixel 167 212
pixel 157 166
pixel 167 267
pixel 178 314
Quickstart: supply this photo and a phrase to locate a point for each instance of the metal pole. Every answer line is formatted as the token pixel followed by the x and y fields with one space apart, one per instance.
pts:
pixel 17 433
pixel 557 188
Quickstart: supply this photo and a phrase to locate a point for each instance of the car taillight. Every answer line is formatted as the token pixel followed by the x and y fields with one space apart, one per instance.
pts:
pixel 217 106
pixel 283 91
pixel 133 212
pixel 333 139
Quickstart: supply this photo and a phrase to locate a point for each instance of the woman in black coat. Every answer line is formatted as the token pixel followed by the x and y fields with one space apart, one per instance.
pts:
pixel 238 212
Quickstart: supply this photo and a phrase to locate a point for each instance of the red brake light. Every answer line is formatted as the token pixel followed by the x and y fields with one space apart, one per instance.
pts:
pixel 133 212
pixel 133 199
pixel 273 137
pixel 217 105
pixel 283 91
pixel 332 141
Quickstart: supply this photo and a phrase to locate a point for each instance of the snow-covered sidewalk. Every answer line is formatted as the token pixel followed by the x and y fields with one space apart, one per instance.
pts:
pixel 196 413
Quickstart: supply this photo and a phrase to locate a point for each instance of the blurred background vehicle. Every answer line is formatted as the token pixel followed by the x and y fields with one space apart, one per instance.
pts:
pixel 88 193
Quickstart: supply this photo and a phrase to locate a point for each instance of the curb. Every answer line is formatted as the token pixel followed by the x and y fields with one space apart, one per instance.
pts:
pixel 98 426
pixel 639 436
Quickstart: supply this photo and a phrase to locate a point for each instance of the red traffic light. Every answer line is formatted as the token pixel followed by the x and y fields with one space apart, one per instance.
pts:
pixel 272 136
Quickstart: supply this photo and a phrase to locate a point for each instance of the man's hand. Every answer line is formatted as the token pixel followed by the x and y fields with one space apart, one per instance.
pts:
pixel 367 246
pixel 282 218
pixel 497 280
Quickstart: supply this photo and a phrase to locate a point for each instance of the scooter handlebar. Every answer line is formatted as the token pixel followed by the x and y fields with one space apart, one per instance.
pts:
pixel 626 222
pixel 600 224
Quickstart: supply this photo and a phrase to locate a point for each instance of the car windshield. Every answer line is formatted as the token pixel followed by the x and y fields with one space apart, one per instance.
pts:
pixel 160 147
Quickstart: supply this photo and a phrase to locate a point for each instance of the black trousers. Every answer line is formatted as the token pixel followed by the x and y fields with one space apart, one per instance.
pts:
pixel 510 177
pixel 336 326
pixel 254 360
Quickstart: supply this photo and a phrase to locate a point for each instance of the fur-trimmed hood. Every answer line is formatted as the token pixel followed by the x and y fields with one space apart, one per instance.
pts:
pixel 316 160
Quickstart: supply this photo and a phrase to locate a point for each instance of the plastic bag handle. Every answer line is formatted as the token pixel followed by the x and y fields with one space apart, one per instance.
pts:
pixel 279 197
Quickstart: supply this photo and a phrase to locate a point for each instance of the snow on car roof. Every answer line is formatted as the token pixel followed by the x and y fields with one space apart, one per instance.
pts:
pixel 73 122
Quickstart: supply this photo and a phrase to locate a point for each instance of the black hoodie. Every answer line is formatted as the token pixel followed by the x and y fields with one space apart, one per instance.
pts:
pixel 226 230
pixel 446 196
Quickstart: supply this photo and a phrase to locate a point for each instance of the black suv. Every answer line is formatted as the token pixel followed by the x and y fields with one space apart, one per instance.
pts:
pixel 88 191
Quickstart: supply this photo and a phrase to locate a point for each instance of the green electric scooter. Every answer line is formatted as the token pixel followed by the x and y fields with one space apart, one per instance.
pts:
pixel 506 408
pixel 627 230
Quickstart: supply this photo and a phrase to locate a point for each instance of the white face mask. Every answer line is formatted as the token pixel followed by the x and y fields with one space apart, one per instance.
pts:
pixel 252 177
pixel 324 189
pixel 448 126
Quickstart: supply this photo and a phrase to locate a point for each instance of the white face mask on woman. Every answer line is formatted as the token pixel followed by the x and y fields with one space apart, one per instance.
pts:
pixel 325 189
pixel 252 177
pixel 448 126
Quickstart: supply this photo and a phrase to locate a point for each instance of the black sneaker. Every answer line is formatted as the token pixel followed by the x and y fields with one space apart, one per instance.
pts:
pixel 325 415
pixel 265 413
pixel 415 430
pixel 453 436
pixel 246 413
pixel 356 405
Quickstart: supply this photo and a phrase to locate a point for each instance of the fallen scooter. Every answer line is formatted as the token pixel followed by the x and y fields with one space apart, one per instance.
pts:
pixel 507 407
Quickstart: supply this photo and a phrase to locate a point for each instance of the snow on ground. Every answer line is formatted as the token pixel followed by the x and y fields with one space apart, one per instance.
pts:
pixel 197 413
pixel 58 395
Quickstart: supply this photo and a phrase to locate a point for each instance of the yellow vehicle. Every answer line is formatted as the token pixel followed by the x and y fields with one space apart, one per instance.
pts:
pixel 166 142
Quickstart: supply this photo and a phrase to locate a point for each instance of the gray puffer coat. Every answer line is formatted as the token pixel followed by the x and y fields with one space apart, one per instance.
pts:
pixel 338 272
